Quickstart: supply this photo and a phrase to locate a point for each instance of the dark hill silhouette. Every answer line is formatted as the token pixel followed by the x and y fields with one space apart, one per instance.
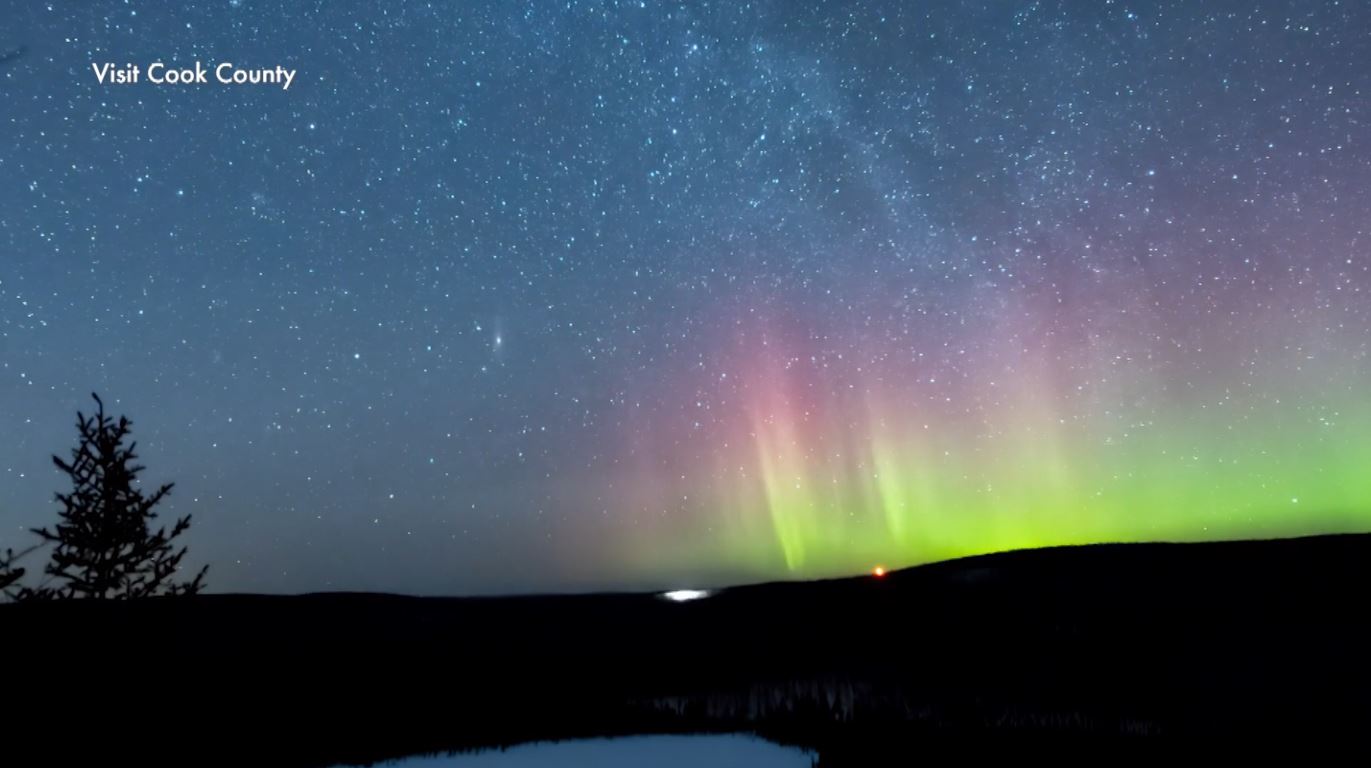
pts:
pixel 1241 642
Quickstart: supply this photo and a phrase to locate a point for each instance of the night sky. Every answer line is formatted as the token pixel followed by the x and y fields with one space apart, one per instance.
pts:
pixel 507 296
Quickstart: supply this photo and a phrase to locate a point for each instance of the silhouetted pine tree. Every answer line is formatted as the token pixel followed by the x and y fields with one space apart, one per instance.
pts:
pixel 104 545
pixel 9 572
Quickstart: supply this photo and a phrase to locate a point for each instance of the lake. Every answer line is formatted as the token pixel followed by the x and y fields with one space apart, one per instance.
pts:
pixel 714 750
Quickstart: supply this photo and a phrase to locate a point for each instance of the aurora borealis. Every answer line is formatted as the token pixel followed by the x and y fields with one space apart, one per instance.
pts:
pixel 506 297
pixel 1052 443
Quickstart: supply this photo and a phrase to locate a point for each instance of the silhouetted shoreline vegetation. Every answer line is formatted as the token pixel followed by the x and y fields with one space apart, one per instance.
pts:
pixel 1118 645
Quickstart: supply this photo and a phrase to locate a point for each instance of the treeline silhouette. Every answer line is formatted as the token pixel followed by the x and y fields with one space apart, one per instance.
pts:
pixel 1234 645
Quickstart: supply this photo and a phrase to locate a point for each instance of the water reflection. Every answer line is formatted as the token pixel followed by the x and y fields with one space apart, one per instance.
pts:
pixel 715 751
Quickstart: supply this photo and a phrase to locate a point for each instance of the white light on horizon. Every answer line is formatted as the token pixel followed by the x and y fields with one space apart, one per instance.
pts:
pixel 685 595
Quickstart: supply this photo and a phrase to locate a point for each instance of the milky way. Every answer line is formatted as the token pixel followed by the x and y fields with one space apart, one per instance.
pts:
pixel 512 296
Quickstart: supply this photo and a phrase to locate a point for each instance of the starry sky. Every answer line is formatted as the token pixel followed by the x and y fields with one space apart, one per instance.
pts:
pixel 513 296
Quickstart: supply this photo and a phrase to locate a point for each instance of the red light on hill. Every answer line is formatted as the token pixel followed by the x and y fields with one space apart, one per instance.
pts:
pixel 878 571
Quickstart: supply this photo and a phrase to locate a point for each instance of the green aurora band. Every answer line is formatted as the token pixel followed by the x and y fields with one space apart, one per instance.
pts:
pixel 1126 432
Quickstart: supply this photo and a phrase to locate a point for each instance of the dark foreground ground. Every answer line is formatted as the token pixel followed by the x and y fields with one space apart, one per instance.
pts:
pixel 1122 645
